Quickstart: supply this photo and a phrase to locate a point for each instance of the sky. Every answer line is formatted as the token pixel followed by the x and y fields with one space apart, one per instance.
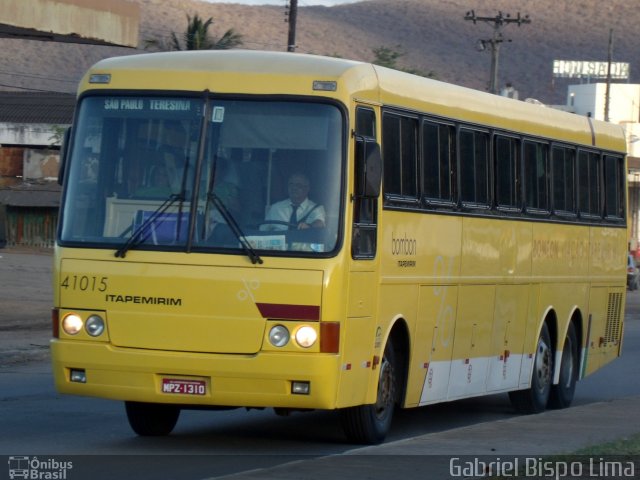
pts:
pixel 301 3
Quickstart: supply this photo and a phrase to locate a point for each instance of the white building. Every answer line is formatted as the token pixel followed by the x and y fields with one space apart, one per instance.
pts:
pixel 624 109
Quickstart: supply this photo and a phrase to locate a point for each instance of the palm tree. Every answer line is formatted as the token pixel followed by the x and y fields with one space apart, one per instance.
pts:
pixel 196 37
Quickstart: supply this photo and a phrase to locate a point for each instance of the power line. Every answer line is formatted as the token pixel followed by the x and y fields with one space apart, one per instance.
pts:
pixel 31 89
pixel 499 21
pixel 43 77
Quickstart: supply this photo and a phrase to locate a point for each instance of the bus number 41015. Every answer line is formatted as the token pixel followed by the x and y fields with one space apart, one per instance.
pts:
pixel 85 283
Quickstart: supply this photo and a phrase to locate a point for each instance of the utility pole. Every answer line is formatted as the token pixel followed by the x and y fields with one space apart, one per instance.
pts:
pixel 607 92
pixel 293 15
pixel 494 42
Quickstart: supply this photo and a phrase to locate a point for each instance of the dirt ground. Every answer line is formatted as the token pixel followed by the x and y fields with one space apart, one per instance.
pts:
pixel 26 298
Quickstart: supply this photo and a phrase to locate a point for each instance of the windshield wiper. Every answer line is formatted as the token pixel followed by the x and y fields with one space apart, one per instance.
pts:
pixel 235 228
pixel 137 236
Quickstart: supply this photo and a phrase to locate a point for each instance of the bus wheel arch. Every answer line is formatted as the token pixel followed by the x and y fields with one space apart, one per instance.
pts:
pixel 400 338
pixel 535 398
pixel 369 424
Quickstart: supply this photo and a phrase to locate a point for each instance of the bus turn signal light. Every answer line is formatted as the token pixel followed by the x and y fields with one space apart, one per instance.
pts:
pixel 329 337
pixel 55 323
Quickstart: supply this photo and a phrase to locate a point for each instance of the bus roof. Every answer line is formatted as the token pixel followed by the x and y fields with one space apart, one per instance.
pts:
pixel 228 71
pixel 260 72
pixel 454 102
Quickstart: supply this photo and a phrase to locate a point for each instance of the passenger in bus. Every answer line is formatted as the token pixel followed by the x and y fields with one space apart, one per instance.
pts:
pixel 226 189
pixel 158 184
pixel 296 212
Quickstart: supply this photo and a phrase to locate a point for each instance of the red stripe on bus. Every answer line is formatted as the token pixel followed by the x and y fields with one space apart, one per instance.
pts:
pixel 289 312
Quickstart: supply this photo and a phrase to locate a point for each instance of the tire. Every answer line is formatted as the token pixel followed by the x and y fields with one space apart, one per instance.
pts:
pixel 562 393
pixel 152 419
pixel 535 398
pixel 369 424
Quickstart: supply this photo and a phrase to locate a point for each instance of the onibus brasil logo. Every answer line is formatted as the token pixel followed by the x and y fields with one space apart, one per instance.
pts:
pixel 38 469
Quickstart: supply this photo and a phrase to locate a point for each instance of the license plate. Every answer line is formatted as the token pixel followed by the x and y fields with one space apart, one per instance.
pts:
pixel 184 387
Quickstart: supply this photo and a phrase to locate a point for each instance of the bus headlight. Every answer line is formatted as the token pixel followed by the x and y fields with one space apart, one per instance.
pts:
pixel 94 325
pixel 306 336
pixel 279 336
pixel 72 324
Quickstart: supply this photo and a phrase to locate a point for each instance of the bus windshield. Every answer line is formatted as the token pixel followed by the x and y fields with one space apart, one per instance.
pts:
pixel 189 173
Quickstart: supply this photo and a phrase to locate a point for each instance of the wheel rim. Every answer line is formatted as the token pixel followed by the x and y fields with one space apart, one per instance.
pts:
pixel 384 402
pixel 543 366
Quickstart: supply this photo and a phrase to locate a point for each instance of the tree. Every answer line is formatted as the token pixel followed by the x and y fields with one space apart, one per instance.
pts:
pixel 388 57
pixel 197 37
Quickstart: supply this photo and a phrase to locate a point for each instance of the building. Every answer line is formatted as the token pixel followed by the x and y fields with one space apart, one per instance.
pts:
pixel 624 109
pixel 31 125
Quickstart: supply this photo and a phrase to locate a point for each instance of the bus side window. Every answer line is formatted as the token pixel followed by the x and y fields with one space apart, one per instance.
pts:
pixel 614 187
pixel 507 158
pixel 365 210
pixel 474 167
pixel 563 192
pixel 536 176
pixel 365 122
pixel 589 184
pixel 438 161
pixel 400 155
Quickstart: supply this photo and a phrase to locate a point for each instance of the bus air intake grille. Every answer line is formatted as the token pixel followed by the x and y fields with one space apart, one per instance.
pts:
pixel 614 320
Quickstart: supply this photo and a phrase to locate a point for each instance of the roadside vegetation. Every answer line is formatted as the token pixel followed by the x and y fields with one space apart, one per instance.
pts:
pixel 596 461
pixel 388 57
pixel 624 446
pixel 197 37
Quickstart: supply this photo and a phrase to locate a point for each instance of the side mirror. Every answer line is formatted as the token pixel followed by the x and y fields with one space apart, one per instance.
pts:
pixel 63 154
pixel 368 168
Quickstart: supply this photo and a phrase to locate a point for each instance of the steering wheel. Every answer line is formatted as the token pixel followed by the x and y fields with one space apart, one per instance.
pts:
pixel 278 222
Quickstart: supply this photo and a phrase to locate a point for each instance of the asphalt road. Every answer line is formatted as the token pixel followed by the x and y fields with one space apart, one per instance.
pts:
pixel 35 420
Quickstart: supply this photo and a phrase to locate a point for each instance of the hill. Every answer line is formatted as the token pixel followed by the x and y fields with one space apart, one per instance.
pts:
pixel 432 33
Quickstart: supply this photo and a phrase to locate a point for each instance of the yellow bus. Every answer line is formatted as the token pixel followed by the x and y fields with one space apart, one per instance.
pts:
pixel 259 229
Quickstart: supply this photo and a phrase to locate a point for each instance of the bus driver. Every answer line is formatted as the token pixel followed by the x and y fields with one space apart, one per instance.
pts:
pixel 297 211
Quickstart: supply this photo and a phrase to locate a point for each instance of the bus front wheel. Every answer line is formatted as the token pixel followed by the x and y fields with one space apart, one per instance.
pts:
pixel 369 424
pixel 151 419
pixel 535 398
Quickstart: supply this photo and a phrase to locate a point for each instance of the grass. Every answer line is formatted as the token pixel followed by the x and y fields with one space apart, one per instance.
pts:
pixel 624 446
pixel 594 458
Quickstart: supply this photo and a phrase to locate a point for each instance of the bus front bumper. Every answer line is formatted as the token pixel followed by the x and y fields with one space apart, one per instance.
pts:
pixel 266 379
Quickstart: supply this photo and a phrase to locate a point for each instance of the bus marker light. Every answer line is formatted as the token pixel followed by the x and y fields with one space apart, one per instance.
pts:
pixel 100 78
pixel 376 362
pixel 325 86
pixel 94 325
pixel 279 336
pixel 300 388
pixel 72 324
pixel 78 376
pixel 306 336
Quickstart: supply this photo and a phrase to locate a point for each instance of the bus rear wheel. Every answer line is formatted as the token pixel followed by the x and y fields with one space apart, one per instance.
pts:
pixel 152 419
pixel 369 424
pixel 562 393
pixel 535 398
